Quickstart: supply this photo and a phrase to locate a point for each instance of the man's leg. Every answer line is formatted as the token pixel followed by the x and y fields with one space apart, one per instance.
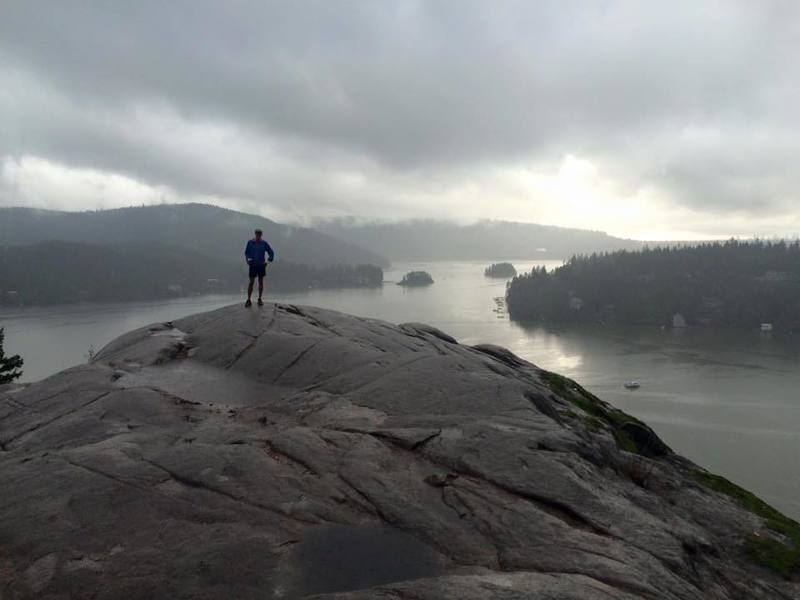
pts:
pixel 260 286
pixel 250 288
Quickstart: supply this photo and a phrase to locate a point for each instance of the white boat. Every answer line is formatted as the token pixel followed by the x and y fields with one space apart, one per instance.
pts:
pixel 632 385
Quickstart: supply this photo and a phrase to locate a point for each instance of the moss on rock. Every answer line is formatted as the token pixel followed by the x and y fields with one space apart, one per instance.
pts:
pixel 781 555
pixel 599 413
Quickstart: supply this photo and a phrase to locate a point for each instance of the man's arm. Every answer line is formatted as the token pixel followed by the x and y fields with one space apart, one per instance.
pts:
pixel 248 252
pixel 270 251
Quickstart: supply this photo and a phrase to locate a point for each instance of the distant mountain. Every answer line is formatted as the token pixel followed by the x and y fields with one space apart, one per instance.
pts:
pixel 214 232
pixel 431 240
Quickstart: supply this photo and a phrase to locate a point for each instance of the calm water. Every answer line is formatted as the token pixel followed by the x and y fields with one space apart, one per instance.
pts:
pixel 726 399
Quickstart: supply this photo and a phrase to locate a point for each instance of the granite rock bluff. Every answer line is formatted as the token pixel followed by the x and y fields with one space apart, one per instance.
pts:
pixel 293 452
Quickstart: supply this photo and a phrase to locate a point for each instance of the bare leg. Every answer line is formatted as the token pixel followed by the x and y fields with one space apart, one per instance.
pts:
pixel 260 287
pixel 250 287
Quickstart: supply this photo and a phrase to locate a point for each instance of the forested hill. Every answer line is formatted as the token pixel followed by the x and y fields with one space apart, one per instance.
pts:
pixel 214 232
pixel 732 283
pixel 58 272
pixel 485 240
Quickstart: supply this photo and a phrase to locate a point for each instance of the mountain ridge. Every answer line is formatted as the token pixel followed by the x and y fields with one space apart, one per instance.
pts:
pixel 207 229
pixel 430 239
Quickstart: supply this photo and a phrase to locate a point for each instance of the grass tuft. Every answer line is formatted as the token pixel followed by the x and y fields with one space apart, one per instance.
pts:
pixel 780 553
pixel 768 552
pixel 598 412
pixel 765 550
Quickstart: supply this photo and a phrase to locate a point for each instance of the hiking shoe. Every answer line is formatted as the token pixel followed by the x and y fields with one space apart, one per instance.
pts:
pixel 248 303
pixel 260 302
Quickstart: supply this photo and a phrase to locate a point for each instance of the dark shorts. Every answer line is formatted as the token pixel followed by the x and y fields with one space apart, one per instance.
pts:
pixel 257 271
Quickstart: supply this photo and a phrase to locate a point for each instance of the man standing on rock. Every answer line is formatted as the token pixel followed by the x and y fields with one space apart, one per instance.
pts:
pixel 255 252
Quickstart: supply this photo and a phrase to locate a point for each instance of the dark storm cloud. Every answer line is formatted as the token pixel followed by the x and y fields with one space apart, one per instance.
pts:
pixel 694 99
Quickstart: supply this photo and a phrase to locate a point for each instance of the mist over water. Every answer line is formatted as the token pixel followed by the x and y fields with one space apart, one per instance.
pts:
pixel 722 397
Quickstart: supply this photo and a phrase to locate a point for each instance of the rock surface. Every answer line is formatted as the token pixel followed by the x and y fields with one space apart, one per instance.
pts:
pixel 293 452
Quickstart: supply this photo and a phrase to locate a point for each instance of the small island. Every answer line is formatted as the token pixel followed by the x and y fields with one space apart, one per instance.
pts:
pixel 501 270
pixel 416 279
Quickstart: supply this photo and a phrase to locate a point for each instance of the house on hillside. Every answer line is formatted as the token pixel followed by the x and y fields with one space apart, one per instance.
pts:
pixel 11 298
pixel 678 321
pixel 774 276
pixel 575 303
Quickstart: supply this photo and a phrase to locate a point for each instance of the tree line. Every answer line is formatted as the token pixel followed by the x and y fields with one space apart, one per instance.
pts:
pixel 64 272
pixel 730 283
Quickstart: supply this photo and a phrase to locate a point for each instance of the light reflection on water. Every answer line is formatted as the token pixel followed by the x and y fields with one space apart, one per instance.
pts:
pixel 725 398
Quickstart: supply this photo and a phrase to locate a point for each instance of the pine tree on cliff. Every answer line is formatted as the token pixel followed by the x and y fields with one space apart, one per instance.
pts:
pixel 10 366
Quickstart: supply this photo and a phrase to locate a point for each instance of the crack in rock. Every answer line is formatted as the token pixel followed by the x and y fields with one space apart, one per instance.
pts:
pixel 37 426
pixel 297 359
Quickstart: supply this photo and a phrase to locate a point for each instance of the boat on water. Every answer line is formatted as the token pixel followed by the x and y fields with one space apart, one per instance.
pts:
pixel 632 385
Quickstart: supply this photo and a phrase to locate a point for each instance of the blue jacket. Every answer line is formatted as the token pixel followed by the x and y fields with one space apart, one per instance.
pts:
pixel 254 252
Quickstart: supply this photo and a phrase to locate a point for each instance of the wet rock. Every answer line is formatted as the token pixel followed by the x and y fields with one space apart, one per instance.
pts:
pixel 348 557
pixel 290 452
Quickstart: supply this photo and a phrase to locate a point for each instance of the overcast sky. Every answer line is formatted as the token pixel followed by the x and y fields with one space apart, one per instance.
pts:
pixel 644 119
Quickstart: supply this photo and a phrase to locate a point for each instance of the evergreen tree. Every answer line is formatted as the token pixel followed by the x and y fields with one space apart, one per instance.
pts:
pixel 10 366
